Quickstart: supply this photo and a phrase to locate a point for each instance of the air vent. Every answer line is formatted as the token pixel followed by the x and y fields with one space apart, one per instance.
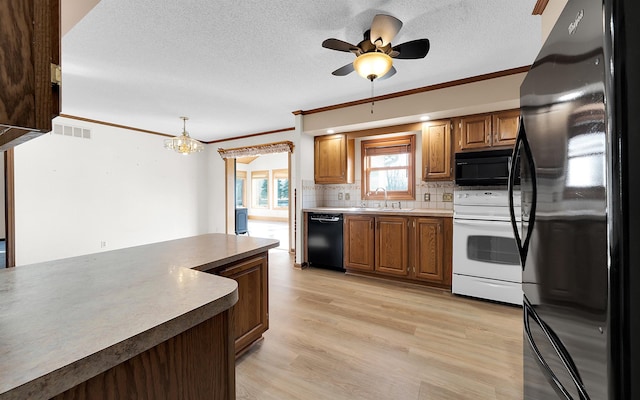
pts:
pixel 73 131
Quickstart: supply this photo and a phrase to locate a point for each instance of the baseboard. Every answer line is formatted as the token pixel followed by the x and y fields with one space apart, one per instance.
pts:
pixel 267 218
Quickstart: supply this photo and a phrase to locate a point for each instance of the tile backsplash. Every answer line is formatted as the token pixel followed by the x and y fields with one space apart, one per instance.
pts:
pixel 349 195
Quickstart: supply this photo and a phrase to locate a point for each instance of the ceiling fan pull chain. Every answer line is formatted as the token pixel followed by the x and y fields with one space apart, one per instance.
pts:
pixel 372 102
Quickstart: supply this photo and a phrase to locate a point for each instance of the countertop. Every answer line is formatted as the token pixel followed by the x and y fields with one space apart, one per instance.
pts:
pixel 427 212
pixel 63 322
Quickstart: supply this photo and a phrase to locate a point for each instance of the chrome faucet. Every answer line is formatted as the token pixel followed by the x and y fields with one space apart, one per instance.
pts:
pixel 385 195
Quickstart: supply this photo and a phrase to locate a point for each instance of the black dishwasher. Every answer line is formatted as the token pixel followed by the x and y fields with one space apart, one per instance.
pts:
pixel 324 241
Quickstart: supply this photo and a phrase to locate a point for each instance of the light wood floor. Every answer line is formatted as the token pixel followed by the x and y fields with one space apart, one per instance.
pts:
pixel 334 336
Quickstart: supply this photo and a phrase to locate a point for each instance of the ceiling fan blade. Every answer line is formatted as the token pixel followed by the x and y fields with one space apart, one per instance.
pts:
pixel 384 28
pixel 411 50
pixel 340 45
pixel 344 70
pixel 388 75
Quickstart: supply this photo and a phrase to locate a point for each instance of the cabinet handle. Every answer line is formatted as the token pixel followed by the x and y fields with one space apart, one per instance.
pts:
pixel 439 228
pixel 487 138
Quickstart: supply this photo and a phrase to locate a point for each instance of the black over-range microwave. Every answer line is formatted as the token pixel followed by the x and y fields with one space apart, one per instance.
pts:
pixel 484 168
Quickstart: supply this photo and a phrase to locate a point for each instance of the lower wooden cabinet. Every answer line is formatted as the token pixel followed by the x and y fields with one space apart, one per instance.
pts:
pixel 358 242
pixel 416 249
pixel 432 250
pixel 391 245
pixel 250 315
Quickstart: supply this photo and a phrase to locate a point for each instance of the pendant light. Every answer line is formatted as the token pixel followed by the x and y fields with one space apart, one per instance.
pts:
pixel 183 143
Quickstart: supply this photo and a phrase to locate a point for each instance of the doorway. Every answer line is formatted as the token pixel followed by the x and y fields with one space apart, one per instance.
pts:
pixel 262 193
pixel 264 188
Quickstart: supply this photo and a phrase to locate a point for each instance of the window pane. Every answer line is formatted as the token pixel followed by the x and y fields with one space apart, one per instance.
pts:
pixel 281 192
pixel 391 180
pixel 240 192
pixel 260 192
pixel 390 160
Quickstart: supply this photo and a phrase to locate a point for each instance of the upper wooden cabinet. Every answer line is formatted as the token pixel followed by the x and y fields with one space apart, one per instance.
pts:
pixel 505 127
pixel 333 159
pixel 484 131
pixel 436 150
pixel 30 50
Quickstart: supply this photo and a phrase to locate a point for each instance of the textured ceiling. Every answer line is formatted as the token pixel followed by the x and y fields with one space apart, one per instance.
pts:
pixel 241 67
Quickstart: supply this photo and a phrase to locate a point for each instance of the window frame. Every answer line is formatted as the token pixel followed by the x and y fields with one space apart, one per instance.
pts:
pixel 242 175
pixel 409 142
pixel 275 175
pixel 262 174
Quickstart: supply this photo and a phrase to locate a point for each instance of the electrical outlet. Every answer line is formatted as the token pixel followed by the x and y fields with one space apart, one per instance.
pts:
pixel 103 244
pixel 447 196
pixel 347 196
pixel 339 196
pixel 427 197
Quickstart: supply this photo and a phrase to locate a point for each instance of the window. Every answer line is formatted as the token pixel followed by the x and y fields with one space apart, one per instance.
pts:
pixel 260 189
pixel 280 188
pixel 389 164
pixel 241 188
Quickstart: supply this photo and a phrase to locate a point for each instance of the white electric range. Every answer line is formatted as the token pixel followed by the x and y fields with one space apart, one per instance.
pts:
pixel 485 256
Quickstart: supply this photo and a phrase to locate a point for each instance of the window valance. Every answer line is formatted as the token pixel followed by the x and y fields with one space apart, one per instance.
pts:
pixel 259 150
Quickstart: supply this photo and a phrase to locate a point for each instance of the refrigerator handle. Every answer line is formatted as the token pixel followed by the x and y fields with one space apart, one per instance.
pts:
pixel 521 140
pixel 560 349
pixel 548 373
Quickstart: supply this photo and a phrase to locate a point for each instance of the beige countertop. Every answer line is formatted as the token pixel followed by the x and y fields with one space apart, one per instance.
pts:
pixel 416 212
pixel 65 321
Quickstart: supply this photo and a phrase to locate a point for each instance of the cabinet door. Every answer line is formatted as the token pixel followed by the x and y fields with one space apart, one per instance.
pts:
pixel 430 250
pixel 250 315
pixel 505 127
pixel 358 242
pixel 333 159
pixel 391 245
pixel 29 45
pixel 475 132
pixel 436 150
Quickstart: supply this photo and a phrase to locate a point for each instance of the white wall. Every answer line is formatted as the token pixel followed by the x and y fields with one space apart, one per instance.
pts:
pixel 120 187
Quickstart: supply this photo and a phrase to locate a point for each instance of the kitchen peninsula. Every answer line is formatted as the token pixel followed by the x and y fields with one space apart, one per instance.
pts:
pixel 141 322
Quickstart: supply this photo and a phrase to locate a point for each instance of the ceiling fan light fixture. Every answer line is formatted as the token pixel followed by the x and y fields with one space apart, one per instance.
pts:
pixel 183 143
pixel 372 65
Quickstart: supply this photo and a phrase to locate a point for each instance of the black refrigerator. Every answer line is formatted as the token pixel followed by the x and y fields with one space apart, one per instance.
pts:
pixel 579 237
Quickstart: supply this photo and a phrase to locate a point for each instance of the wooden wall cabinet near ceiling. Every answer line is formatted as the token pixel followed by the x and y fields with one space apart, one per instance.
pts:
pixel 30 50
pixel 486 131
pixel 437 153
pixel 411 249
pixel 334 157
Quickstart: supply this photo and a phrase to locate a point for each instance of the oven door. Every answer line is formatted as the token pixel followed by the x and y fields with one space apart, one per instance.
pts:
pixel 485 249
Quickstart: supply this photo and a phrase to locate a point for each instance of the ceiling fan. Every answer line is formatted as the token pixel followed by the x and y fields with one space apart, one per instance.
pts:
pixel 374 54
